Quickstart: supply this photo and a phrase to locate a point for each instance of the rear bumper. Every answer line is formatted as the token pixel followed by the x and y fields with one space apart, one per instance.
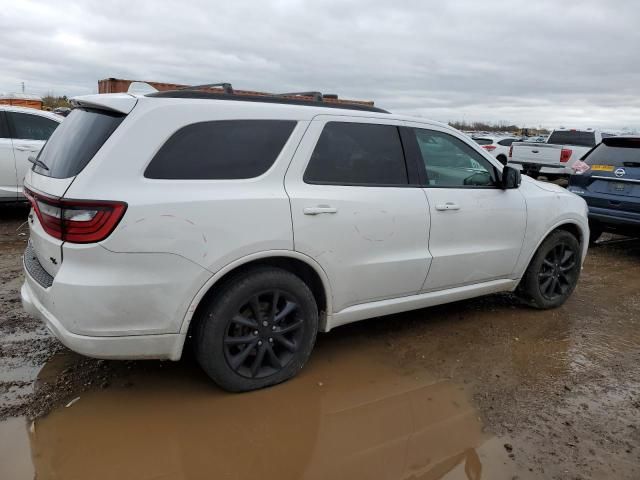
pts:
pixel 616 218
pixel 542 169
pixel 114 305
pixel 168 346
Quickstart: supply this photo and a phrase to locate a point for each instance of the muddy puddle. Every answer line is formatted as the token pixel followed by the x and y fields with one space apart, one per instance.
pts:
pixel 348 415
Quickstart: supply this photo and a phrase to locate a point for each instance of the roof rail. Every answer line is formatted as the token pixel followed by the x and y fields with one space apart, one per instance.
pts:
pixel 226 87
pixel 316 96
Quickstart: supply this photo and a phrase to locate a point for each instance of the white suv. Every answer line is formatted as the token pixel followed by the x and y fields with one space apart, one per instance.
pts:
pixel 23 131
pixel 251 223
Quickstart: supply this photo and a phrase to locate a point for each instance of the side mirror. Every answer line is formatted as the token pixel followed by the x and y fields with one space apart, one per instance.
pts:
pixel 511 178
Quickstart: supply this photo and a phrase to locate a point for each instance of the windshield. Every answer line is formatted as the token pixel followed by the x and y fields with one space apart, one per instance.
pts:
pixel 75 142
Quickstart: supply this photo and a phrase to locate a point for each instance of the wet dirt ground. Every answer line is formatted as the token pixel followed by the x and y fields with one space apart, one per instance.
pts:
pixel 481 389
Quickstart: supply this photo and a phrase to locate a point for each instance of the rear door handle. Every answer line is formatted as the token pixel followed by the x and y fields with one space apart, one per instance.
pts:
pixel 447 206
pixel 319 210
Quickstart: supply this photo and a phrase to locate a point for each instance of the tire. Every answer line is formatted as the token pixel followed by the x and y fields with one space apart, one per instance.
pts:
pixel 595 232
pixel 502 159
pixel 243 343
pixel 558 261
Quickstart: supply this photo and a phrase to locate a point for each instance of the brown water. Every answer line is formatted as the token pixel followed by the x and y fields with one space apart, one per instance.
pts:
pixel 348 415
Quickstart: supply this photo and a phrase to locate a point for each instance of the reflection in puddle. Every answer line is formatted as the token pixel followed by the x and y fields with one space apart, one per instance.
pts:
pixel 346 416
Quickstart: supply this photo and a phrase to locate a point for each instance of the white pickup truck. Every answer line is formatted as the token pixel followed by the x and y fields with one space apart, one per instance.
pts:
pixel 554 158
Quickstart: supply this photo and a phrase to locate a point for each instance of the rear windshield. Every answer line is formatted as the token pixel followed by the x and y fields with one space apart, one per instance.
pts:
pixel 572 137
pixel 75 142
pixel 483 141
pixel 620 154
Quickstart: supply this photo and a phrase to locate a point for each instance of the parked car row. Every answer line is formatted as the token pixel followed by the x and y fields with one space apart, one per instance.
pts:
pixel 555 157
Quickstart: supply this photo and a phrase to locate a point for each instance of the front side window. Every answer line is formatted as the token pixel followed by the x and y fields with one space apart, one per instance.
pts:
pixel 221 150
pixel 364 154
pixel 450 162
pixel 31 127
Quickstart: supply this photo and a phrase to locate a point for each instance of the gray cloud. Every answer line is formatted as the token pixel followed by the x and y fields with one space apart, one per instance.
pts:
pixel 572 63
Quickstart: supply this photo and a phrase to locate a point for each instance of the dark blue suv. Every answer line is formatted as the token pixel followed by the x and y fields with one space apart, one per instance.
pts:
pixel 611 186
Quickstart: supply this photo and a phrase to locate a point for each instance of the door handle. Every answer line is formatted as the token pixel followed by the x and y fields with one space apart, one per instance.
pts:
pixel 27 149
pixel 319 209
pixel 447 206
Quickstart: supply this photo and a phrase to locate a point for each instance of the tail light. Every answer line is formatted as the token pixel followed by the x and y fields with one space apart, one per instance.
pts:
pixel 489 148
pixel 76 221
pixel 565 155
pixel 511 151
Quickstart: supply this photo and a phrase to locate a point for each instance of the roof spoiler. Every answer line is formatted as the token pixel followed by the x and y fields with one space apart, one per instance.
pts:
pixel 116 102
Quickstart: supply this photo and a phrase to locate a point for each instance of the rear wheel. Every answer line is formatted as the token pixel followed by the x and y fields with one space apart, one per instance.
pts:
pixel 259 330
pixel 553 272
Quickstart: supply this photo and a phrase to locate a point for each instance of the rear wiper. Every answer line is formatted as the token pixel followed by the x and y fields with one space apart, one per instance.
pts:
pixel 38 162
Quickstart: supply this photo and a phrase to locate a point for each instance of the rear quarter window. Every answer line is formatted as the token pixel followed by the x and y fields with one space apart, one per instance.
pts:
pixel 483 141
pixel 221 150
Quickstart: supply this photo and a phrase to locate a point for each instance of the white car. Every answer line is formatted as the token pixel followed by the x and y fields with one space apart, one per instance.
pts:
pixel 496 146
pixel 251 223
pixel 23 131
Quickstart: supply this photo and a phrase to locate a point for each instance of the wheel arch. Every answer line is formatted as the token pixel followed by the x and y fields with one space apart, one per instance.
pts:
pixel 568 225
pixel 301 265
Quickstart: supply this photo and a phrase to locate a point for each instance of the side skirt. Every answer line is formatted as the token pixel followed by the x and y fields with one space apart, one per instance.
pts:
pixel 413 302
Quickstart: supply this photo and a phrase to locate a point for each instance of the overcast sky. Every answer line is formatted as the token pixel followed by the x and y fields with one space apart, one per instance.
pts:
pixel 550 63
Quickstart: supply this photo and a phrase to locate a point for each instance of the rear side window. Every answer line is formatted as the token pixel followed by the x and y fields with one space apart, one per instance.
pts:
pixel 507 142
pixel 572 137
pixel 76 141
pixel 358 154
pixel 221 150
pixel 483 141
pixel 617 153
pixel 31 127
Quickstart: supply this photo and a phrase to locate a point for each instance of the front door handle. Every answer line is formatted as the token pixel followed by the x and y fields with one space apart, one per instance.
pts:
pixel 319 210
pixel 447 206
pixel 27 149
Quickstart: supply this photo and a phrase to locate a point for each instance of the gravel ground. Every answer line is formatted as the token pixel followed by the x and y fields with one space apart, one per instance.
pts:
pixel 559 390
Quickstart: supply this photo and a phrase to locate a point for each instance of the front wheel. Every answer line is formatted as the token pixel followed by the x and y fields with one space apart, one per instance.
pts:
pixel 257 331
pixel 553 272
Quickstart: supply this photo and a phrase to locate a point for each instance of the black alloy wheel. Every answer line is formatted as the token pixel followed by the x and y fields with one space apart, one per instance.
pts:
pixel 264 335
pixel 553 272
pixel 557 273
pixel 257 329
